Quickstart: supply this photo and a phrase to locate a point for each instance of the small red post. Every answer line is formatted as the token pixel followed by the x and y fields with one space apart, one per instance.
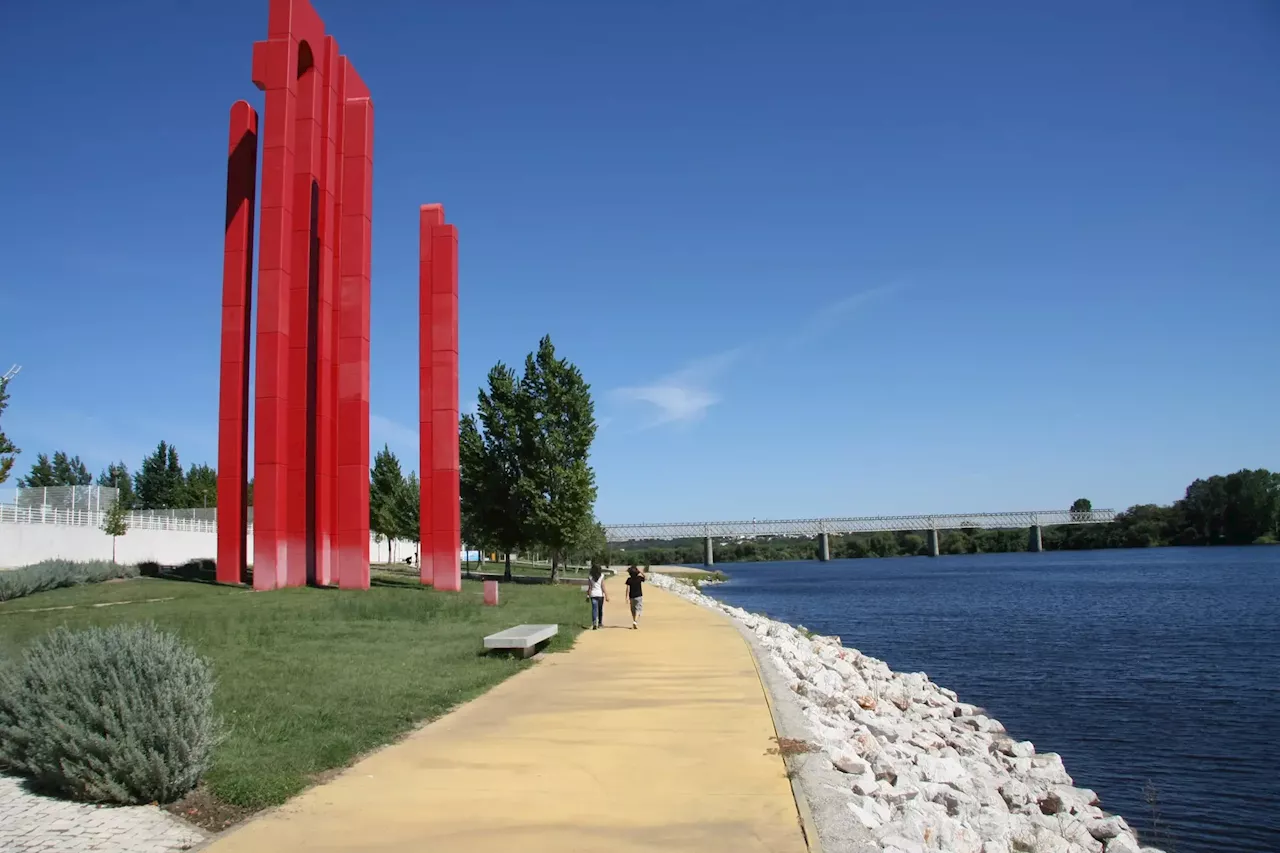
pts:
pixel 491 593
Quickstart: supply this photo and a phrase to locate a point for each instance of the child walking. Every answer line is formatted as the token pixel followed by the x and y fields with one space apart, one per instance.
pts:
pixel 635 594
pixel 597 595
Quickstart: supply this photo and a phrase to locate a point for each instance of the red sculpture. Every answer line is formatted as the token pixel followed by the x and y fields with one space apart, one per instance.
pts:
pixel 439 508
pixel 311 436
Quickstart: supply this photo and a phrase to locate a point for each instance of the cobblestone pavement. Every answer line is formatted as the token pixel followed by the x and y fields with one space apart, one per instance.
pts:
pixel 30 823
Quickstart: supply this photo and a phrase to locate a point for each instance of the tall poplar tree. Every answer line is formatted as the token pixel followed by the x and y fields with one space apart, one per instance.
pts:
pixel 555 447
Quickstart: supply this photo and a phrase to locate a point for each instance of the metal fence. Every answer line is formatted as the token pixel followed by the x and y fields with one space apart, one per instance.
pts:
pixel 86 506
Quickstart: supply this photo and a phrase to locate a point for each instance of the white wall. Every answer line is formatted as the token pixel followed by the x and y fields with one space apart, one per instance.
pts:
pixel 24 544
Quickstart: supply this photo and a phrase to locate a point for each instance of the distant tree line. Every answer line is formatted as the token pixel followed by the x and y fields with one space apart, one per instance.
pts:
pixel 1236 509
pixel 160 482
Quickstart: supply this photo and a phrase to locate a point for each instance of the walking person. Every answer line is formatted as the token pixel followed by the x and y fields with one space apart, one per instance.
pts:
pixel 635 594
pixel 597 595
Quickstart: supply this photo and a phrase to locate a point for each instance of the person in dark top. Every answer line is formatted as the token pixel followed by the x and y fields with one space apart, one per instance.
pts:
pixel 635 594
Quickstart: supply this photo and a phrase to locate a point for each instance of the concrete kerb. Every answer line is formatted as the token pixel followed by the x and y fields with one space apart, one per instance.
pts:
pixel 818 788
pixel 812 839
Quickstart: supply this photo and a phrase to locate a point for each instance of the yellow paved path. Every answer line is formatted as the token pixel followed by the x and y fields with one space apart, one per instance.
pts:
pixel 648 740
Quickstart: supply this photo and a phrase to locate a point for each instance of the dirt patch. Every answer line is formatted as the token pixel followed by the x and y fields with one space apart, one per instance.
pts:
pixel 206 811
pixel 787 747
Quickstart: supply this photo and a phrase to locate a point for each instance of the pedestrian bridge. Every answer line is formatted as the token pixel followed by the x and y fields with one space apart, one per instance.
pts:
pixel 823 528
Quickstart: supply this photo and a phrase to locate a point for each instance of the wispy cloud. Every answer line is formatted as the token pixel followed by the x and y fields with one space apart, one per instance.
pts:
pixel 828 318
pixel 402 439
pixel 686 394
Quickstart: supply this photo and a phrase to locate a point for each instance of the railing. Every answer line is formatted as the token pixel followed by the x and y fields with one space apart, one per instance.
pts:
pixel 92 518
pixel 86 506
pixel 811 527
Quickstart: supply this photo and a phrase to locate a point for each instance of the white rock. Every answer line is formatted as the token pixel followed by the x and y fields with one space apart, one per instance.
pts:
pixel 1022 749
pixel 957 803
pixel 1123 843
pixel 1018 766
pixel 1108 827
pixel 926 740
pixel 992 824
pixel 955 836
pixel 863 810
pixel 864 743
pixel 844 669
pixel 1051 803
pixel 1076 831
pixel 1047 766
pixel 884 767
pixel 940 769
pixel 866 785
pixel 897 797
pixel 982 723
pixel 938 699
pixel 848 761
pixel 898 844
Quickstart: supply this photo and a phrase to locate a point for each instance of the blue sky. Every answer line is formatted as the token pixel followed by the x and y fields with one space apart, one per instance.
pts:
pixel 821 258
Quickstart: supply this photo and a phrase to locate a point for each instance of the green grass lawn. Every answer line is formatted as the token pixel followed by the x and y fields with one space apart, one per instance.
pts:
pixel 309 679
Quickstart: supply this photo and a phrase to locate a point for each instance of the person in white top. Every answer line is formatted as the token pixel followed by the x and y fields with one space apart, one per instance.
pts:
pixel 597 595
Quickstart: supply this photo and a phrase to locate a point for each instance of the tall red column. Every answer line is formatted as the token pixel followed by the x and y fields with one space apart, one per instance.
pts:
pixel 233 380
pixel 312 374
pixel 274 70
pixel 353 336
pixel 439 509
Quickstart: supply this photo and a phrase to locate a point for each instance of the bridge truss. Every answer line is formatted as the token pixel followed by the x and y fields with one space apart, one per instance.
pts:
pixel 812 527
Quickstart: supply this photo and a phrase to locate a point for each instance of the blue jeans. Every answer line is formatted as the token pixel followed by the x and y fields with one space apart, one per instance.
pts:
pixel 597 612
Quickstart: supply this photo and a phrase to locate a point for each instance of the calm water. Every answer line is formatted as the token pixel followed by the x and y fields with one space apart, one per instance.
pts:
pixel 1147 669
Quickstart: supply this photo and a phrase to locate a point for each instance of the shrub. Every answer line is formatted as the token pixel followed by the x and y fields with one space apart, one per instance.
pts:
pixel 119 715
pixel 51 574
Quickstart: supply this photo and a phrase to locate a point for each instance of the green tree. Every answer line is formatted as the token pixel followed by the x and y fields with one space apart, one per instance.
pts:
pixel 1205 507
pixel 201 487
pixel 116 476
pixel 115 523
pixel 560 426
pixel 592 542
pixel 1252 509
pixel 41 474
pixel 385 484
pixel 495 510
pixel 406 509
pixel 160 483
pixel 62 470
pixel 1081 507
pixel 70 471
pixel 8 451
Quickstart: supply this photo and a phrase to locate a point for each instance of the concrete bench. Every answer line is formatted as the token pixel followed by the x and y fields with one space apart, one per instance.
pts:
pixel 522 638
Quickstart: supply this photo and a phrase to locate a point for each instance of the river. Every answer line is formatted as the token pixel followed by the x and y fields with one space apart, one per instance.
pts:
pixel 1154 672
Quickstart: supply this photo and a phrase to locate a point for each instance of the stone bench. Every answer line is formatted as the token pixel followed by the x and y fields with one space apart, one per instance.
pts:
pixel 524 639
